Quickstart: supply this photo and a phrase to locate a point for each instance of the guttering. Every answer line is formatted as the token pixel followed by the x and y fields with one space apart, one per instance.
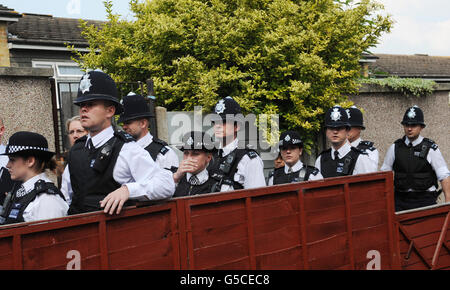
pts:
pixel 43 47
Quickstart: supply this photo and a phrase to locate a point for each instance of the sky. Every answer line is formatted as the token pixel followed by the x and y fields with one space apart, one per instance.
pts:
pixel 421 26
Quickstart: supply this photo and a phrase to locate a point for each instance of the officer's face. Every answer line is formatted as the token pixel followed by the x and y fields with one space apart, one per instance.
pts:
pixel 199 159
pixel 20 168
pixel 225 130
pixel 75 131
pixel 96 115
pixel 279 162
pixel 354 133
pixel 412 131
pixel 291 154
pixel 337 136
pixel 136 128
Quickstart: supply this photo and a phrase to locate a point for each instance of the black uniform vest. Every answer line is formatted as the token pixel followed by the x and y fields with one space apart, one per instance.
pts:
pixel 16 206
pixel 157 146
pixel 411 168
pixel 184 188
pixel 91 172
pixel 223 168
pixel 338 167
pixel 280 177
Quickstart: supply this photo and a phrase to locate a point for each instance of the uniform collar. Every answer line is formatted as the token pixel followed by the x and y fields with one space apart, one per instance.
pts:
pixel 415 142
pixel 356 142
pixel 102 137
pixel 29 184
pixel 203 176
pixel 230 147
pixel 342 151
pixel 145 141
pixel 297 166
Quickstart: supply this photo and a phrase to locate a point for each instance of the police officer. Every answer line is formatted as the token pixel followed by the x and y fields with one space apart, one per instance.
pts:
pixel 107 167
pixel 6 184
pixel 192 176
pixel 291 148
pixel 417 163
pixel 277 163
pixel 233 167
pixel 37 198
pixel 341 159
pixel 355 118
pixel 135 118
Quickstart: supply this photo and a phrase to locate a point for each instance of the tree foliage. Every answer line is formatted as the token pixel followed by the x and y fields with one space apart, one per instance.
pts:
pixel 295 58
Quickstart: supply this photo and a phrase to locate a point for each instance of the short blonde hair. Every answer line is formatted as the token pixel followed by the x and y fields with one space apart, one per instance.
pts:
pixel 74 118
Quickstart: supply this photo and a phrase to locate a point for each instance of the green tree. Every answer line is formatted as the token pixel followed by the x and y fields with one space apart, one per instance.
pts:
pixel 286 57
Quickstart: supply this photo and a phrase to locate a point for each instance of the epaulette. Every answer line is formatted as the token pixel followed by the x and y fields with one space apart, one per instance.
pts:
pixel 359 151
pixel 163 149
pixel 124 136
pixel 432 144
pixel 252 153
pixel 47 187
pixel 366 145
pixel 314 171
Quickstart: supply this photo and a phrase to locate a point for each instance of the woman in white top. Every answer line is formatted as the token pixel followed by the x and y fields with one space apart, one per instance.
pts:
pixel 37 198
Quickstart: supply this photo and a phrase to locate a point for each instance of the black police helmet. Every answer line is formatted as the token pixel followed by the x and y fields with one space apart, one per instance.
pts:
pixel 336 117
pixel 97 85
pixel 355 117
pixel 28 143
pixel 226 110
pixel 196 140
pixel 290 138
pixel 413 116
pixel 134 107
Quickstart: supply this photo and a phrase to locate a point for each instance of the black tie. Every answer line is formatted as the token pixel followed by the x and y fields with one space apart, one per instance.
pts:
pixel 90 145
pixel 219 152
pixel 336 155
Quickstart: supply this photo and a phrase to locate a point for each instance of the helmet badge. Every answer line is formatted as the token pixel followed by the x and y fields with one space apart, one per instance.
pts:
pixel 335 115
pixel 220 107
pixel 85 84
pixel 411 113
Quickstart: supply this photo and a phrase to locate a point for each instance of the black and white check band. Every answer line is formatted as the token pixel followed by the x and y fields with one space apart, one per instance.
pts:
pixel 14 148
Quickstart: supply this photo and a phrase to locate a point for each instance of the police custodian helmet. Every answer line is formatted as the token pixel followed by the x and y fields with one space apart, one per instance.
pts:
pixel 97 85
pixel 290 138
pixel 413 116
pixel 134 107
pixel 355 117
pixel 196 140
pixel 227 109
pixel 336 117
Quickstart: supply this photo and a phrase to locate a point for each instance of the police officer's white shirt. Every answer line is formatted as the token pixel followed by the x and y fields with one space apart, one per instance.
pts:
pixel 168 160
pixel 44 206
pixel 202 176
pixel 434 157
pixel 134 168
pixel 297 166
pixel 250 171
pixel 373 155
pixel 363 163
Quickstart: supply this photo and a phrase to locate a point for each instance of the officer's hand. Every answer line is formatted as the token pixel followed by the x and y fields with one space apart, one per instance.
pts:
pixel 115 199
pixel 186 165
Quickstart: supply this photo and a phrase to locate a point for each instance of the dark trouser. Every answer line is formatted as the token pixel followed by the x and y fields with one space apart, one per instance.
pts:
pixel 410 200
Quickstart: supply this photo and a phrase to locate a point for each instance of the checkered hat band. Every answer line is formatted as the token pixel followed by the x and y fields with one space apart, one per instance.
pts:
pixel 14 148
